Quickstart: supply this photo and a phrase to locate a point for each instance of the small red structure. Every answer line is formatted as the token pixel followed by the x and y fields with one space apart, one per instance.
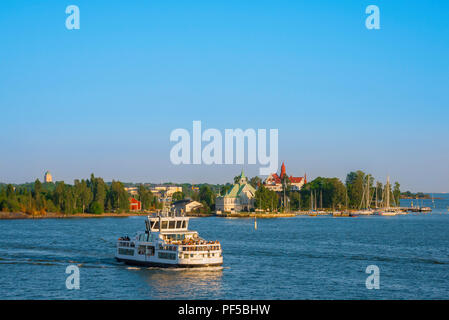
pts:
pixel 134 204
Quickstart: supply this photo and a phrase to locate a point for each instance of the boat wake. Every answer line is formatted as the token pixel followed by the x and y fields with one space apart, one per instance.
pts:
pixel 102 264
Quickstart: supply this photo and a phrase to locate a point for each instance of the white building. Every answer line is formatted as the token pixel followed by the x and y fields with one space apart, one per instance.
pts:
pixel 239 198
pixel 166 191
pixel 186 206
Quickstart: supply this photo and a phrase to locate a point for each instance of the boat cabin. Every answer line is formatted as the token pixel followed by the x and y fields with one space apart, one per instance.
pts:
pixel 167 224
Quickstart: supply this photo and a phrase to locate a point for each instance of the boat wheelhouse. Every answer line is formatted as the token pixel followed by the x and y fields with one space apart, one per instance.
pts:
pixel 167 242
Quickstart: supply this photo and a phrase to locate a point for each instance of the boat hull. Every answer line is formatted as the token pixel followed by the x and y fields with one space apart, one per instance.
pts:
pixel 166 265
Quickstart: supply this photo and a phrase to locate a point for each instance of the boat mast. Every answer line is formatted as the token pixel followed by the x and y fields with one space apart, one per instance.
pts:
pixel 321 199
pixel 377 202
pixel 311 200
pixel 367 193
pixel 387 190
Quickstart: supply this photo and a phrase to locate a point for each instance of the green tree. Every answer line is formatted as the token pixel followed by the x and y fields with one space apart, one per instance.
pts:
pixel 327 193
pixel 84 195
pixel 38 195
pixel 118 197
pixel 145 197
pixel 99 189
pixel 295 200
pixel 397 193
pixel 355 185
pixel 266 199
pixel 255 182
pixel 207 196
pixel 178 196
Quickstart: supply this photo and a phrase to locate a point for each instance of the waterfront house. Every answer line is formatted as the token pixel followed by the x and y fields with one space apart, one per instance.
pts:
pixel 239 198
pixel 274 181
pixel 186 206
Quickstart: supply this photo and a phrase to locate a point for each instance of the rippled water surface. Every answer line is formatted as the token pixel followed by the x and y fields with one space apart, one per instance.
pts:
pixel 286 258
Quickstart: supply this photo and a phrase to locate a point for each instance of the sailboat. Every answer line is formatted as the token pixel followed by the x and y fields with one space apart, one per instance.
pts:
pixel 367 199
pixel 312 212
pixel 321 211
pixel 388 211
pixel 344 213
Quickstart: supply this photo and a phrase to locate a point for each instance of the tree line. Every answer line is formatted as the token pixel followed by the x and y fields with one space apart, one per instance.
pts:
pixel 84 196
pixel 95 196
pixel 329 193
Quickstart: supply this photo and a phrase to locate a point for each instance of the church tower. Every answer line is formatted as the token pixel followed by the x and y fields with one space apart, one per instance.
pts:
pixel 282 170
pixel 47 177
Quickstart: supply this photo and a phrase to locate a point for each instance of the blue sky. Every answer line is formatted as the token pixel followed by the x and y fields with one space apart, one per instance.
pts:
pixel 105 98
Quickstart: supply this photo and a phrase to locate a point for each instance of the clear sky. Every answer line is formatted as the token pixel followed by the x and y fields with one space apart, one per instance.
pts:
pixel 105 98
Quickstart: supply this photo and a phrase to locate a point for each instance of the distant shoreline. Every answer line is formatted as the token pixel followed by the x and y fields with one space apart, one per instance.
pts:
pixel 51 215
pixel 257 215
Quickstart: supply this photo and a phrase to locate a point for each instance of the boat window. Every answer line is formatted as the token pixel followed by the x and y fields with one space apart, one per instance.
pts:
pixel 172 224
pixel 128 252
pixel 141 250
pixel 164 224
pixel 155 225
pixel 167 255
pixel 179 224
pixel 183 224
pixel 150 250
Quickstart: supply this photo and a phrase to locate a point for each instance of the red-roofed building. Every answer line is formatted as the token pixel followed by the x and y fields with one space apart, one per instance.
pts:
pixel 134 204
pixel 274 181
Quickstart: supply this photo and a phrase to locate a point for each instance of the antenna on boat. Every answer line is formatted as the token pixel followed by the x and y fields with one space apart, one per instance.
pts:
pixel 147 226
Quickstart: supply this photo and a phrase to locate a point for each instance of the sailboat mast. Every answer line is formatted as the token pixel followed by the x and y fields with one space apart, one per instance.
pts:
pixel 388 192
pixel 321 199
pixel 311 200
pixel 377 203
pixel 367 193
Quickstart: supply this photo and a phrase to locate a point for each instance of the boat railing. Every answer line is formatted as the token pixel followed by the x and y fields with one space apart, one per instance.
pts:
pixel 124 244
pixel 209 247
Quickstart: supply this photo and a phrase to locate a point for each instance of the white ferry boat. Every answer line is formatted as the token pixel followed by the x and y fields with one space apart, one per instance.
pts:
pixel 167 242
